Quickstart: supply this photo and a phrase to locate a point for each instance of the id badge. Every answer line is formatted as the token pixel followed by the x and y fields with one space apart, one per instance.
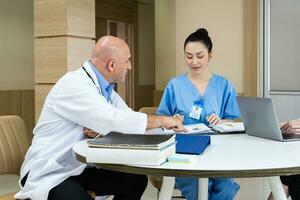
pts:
pixel 196 109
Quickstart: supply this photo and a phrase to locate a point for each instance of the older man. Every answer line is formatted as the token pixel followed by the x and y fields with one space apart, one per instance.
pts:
pixel 85 98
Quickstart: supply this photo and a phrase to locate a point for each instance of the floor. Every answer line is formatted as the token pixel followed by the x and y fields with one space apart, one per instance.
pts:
pixel 251 189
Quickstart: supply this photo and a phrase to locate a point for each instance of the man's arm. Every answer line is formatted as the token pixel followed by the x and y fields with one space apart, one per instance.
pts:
pixel 154 121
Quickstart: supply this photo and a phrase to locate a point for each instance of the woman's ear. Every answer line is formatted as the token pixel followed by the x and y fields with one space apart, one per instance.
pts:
pixel 111 65
pixel 210 55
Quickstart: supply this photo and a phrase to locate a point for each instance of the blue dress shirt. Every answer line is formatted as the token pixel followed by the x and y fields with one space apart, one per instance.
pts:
pixel 106 87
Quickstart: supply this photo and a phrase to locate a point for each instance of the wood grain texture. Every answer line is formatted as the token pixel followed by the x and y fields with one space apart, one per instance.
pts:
pixel 50 59
pixel 56 55
pixel 64 17
pixel 21 103
pixel 79 50
pixel 81 18
pixel 50 17
pixel 41 92
pixel 251 47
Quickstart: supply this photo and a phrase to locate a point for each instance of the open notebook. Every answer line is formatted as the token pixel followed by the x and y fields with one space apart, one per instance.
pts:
pixel 228 127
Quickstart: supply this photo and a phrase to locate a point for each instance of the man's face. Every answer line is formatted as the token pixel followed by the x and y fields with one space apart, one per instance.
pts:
pixel 122 64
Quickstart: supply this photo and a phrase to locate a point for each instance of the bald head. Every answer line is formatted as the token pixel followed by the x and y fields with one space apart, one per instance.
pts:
pixel 108 48
pixel 108 57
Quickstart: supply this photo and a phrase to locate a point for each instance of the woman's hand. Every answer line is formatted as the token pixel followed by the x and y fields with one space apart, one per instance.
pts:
pixel 291 127
pixel 214 119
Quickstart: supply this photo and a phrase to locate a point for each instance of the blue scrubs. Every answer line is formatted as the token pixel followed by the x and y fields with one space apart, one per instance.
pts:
pixel 220 98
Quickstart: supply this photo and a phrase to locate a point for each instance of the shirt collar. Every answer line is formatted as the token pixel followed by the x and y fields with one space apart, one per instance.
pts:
pixel 105 86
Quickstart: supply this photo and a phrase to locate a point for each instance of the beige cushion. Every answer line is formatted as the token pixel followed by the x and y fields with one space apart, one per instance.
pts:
pixel 14 142
pixel 8 197
pixel 9 184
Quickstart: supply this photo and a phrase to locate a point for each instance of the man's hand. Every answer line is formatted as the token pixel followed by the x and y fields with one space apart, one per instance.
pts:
pixel 174 122
pixel 89 133
pixel 291 127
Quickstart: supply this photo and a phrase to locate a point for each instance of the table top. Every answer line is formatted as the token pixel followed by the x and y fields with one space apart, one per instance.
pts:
pixel 237 155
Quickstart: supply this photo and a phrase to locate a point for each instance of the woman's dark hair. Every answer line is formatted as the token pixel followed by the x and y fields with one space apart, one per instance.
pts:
pixel 201 35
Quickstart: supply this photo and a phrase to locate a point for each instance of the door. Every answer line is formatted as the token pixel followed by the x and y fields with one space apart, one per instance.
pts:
pixel 281 60
pixel 116 18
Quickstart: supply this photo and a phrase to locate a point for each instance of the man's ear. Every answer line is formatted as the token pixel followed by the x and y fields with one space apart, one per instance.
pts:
pixel 111 65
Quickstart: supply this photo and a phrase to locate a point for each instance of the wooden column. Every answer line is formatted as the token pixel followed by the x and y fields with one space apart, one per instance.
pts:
pixel 251 47
pixel 64 35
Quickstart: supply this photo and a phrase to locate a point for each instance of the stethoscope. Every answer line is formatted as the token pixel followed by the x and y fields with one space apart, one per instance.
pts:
pixel 98 88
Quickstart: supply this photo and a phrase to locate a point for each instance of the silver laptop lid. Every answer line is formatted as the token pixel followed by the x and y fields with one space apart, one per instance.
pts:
pixel 259 117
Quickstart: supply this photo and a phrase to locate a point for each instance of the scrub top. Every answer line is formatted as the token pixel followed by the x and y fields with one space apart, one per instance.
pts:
pixel 181 94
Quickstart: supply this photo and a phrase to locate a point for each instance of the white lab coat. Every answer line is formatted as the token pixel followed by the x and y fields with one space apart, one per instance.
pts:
pixel 73 103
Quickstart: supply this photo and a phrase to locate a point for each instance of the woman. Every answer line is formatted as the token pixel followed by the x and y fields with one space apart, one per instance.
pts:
pixel 201 97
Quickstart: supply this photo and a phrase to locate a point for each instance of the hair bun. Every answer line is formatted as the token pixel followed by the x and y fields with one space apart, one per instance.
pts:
pixel 202 31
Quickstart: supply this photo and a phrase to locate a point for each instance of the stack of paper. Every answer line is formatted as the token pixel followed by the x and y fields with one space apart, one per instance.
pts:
pixel 135 149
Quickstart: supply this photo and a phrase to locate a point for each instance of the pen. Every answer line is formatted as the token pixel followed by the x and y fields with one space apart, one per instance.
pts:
pixel 97 136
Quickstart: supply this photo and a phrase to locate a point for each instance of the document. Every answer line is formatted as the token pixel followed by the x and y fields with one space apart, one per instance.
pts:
pixel 135 149
pixel 229 127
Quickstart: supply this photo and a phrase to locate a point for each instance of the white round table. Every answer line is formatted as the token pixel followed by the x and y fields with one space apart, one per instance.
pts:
pixel 237 155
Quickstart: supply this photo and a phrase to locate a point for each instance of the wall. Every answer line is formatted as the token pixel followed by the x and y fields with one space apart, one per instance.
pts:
pixel 146 44
pixel 144 68
pixel 16 41
pixel 224 22
pixel 16 55
pixel 165 42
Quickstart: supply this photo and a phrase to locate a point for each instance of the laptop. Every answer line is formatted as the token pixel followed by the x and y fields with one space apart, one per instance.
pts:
pixel 260 119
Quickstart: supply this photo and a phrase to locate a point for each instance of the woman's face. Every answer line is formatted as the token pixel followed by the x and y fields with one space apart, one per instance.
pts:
pixel 196 57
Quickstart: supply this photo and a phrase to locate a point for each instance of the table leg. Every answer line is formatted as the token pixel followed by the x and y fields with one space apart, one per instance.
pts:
pixel 203 189
pixel 277 188
pixel 167 188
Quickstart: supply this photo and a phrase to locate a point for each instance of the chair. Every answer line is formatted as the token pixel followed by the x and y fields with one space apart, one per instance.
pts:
pixel 14 142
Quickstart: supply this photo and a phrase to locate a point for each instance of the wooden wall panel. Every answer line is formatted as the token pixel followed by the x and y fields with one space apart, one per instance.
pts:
pixel 81 18
pixel 64 17
pixel 50 59
pixel 64 38
pixel 21 103
pixel 79 50
pixel 157 94
pixel 54 56
pixel 143 96
pixel 113 11
pixel 50 17
pixel 41 92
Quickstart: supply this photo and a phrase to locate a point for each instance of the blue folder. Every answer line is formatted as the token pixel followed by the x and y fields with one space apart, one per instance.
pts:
pixel 191 144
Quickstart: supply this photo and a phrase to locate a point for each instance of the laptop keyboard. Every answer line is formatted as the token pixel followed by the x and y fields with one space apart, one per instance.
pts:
pixel 291 136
